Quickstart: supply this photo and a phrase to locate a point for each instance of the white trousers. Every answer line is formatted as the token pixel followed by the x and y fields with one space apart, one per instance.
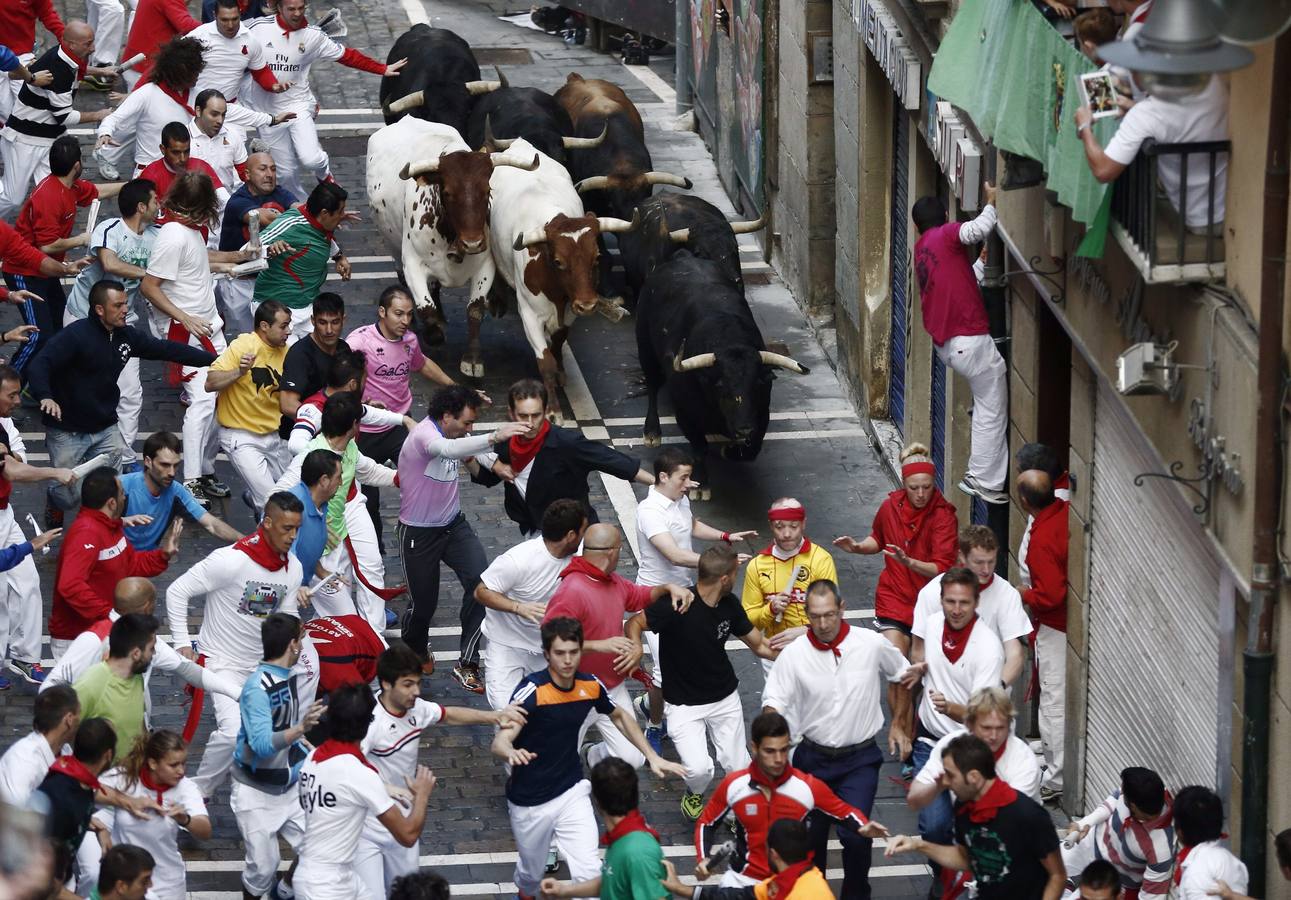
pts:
pixel 108 19
pixel 302 324
pixel 330 881
pixel 218 755
pixel 128 408
pixel 570 821
pixel 363 536
pixel 9 89
pixel 1051 657
pixel 504 666
pixel 24 164
pixel 296 151
pixel 381 859
pixel 260 459
pixel 20 606
pixel 614 741
pixel 238 313
pixel 201 430
pixel 263 818
pixel 652 644
pixel 976 358
pixel 691 727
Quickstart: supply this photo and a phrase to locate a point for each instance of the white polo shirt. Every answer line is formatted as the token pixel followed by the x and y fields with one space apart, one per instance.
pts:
pixel 656 514
pixel 159 835
pixel 999 606
pixel 225 60
pixel 979 666
pixel 223 153
pixel 391 745
pixel 833 700
pixel 526 573
pixel 337 795
pixel 1019 766
pixel 23 767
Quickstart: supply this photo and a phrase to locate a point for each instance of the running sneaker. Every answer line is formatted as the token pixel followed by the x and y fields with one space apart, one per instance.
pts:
pixel 1048 794
pixel 5 683
pixel 553 862
pixel 214 487
pixel 281 890
pixel 53 517
pixel 692 805
pixel 131 468
pixel 31 672
pixel 198 490
pixel 98 83
pixel 392 618
pixel 428 667
pixel 654 734
pixel 468 676
pixel 107 170
pixel 973 488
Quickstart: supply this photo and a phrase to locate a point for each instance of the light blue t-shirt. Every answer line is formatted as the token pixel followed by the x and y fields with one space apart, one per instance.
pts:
pixel 133 249
pixel 139 500
pixel 311 538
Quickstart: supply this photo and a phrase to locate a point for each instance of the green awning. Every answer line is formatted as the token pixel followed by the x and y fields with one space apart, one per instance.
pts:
pixel 1005 66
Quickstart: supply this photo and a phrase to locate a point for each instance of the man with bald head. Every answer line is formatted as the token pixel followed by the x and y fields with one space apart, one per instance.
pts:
pixel 773 604
pixel 260 196
pixel 594 594
pixel 1046 601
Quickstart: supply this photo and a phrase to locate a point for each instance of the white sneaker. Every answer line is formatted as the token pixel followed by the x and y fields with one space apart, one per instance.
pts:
pixel 106 169
pixel 970 485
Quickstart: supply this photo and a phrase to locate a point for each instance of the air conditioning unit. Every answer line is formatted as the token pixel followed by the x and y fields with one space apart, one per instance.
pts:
pixel 1146 368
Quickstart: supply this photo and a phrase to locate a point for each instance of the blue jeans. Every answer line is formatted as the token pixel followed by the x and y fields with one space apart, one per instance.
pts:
pixel 937 819
pixel 71 448
pixel 855 779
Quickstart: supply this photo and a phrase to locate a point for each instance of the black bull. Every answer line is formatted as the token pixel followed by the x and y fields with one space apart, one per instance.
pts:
pixel 441 64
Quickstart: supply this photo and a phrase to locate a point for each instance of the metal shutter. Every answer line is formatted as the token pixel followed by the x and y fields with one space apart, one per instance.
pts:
pixel 938 414
pixel 899 267
pixel 1153 620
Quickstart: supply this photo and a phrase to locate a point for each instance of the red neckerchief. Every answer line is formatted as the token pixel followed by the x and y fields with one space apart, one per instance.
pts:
pixel 312 221
pixel 982 587
pixel 762 779
pixel 80 63
pixel 579 565
pixel 523 452
pixel 954 641
pixel 832 645
pixel 984 808
pixel 283 25
pixel 169 92
pixel 782 882
pixel 999 754
pixel 805 548
pixel 633 821
pixel 168 216
pixel 332 747
pixel 911 518
pixel 175 371
pixel 74 768
pixel 257 547
pixel 145 778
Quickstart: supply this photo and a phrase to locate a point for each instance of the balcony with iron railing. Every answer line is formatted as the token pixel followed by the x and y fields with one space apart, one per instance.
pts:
pixel 1147 222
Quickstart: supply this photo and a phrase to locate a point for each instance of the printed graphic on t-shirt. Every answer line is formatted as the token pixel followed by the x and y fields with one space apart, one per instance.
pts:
pixel 990 855
pixel 260 599
pixel 265 379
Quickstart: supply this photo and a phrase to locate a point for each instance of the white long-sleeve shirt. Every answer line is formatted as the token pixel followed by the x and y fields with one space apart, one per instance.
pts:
pixel 289 56
pixel 975 232
pixel 23 767
pixel 240 594
pixel 1206 864
pixel 309 418
pixel 16 445
pixel 366 471
pixel 146 111
pixel 159 835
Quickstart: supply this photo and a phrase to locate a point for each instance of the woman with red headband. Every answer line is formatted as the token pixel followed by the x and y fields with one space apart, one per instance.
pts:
pixel 917 530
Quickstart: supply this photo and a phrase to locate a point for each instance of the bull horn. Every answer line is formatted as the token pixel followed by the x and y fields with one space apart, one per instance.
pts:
pixel 577 143
pixel 691 363
pixel 475 88
pixel 595 183
pixel 501 159
pixel 424 167
pixel 618 226
pixel 669 179
pixel 529 238
pixel 680 236
pixel 749 227
pixel 490 140
pixel 502 78
pixel 405 103
pixel 782 362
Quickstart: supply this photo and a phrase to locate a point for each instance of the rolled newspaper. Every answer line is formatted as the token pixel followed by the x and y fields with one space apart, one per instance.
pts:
pixel 91 221
pixel 325 583
pixel 788 588
pixel 44 551
pixel 90 465
pixel 131 62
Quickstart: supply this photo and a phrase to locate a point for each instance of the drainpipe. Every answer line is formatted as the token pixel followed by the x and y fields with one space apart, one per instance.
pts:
pixel 681 59
pixel 1266 576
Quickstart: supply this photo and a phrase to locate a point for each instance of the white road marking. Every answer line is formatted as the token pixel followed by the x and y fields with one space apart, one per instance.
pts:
pixel 652 82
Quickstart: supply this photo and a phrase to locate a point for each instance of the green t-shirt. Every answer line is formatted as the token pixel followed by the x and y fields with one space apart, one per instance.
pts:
pixel 337 530
pixel 632 868
pixel 119 700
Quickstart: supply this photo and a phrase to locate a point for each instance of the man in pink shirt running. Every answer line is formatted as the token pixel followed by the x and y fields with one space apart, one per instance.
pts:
pixel 955 316
pixel 592 593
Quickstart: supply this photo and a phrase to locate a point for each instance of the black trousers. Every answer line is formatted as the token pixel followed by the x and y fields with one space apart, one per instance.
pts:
pixel 855 779
pixel 47 316
pixel 421 550
pixel 380 446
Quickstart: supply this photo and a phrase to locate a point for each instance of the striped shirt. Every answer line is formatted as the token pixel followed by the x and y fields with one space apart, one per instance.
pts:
pixel 42 114
pixel 1142 852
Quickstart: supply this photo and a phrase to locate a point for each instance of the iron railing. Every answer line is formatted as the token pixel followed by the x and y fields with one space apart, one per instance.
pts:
pixel 1167 247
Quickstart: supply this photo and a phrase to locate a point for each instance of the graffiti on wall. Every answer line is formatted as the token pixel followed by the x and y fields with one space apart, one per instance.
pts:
pixel 748 89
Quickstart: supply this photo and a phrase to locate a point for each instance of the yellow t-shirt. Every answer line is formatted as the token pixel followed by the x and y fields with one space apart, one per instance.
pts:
pixel 767 575
pixel 251 402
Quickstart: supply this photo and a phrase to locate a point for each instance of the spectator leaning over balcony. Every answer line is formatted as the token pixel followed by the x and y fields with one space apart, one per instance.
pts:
pixel 1170 120
pixel 955 316
pixel 1093 28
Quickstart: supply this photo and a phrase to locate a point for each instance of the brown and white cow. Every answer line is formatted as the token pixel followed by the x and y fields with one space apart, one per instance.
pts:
pixel 545 247
pixel 430 197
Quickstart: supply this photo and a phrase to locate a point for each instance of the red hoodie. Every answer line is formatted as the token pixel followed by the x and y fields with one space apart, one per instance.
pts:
pixel 94 556
pixel 155 22
pixel 936 540
pixel 1047 560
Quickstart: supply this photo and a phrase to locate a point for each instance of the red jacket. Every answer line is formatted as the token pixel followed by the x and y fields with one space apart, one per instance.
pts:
pixel 18 23
pixel 793 795
pixel 155 22
pixel 94 556
pixel 936 541
pixel 16 254
pixel 1047 560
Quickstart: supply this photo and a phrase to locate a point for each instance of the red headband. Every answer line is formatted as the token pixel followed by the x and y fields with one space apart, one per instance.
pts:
pixel 793 513
pixel 917 468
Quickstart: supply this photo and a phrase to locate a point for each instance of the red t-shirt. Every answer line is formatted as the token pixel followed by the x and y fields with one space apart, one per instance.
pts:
pixel 18 23
pixel 155 22
pixel 935 540
pixel 347 649
pixel 49 215
pixel 599 606
pixel 159 174
pixel 948 292
pixel 16 255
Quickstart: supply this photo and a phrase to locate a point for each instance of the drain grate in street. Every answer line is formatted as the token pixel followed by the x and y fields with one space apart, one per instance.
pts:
pixel 502 56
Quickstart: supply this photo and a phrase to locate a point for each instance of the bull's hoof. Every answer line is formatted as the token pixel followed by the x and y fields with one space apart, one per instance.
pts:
pixel 472 368
pixel 653 440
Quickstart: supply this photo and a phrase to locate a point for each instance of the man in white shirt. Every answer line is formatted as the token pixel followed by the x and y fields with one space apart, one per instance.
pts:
pixel 340 791
pixel 1206 866
pixel 989 715
pixel 665 530
pixel 55 718
pixel 229 53
pixel 243 584
pixel 829 684
pixel 514 591
pixel 218 142
pixel 999 604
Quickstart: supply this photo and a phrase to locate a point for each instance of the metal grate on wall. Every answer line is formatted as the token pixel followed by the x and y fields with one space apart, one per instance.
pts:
pixel 898 268
pixel 938 415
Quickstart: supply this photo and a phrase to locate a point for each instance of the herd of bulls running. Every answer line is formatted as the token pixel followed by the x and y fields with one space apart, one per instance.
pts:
pixel 471 179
